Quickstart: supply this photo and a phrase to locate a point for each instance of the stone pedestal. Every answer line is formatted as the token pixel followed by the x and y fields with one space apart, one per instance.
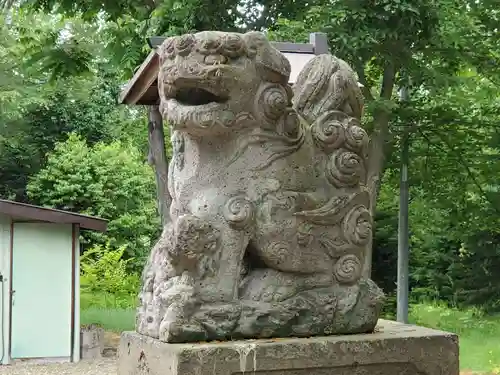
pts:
pixel 91 342
pixel 394 349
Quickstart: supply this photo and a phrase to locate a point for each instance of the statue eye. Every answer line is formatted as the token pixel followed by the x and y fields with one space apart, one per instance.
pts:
pixel 211 45
pixel 233 45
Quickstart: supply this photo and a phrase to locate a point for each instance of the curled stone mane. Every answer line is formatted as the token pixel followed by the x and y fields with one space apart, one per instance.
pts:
pixel 273 66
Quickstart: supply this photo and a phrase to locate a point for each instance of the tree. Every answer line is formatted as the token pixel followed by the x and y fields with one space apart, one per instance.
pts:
pixel 39 106
pixel 110 181
pixel 27 136
pixel 454 211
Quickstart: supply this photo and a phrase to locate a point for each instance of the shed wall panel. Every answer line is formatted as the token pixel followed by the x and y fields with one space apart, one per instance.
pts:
pixel 41 305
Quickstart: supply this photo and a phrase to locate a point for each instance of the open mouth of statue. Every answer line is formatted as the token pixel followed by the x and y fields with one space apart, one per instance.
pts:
pixel 194 96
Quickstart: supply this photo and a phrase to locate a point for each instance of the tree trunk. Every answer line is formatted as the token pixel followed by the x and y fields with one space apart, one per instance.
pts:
pixel 377 153
pixel 375 168
pixel 157 158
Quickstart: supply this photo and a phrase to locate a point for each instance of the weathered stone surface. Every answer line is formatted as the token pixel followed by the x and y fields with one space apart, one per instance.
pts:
pixel 394 349
pixel 91 342
pixel 270 220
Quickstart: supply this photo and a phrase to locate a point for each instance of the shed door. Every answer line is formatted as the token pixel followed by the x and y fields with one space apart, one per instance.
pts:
pixel 41 284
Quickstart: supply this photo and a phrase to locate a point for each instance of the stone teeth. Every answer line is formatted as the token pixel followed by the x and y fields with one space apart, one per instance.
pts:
pixel 169 91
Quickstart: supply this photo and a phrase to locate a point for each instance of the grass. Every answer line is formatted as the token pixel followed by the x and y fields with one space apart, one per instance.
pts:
pixel 111 312
pixel 479 334
pixel 112 319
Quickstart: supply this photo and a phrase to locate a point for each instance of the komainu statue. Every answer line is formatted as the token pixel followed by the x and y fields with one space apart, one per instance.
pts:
pixel 270 218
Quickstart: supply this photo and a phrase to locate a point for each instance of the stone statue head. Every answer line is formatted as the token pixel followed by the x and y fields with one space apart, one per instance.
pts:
pixel 214 83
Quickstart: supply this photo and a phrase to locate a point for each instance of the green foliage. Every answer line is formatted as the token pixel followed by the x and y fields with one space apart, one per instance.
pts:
pixel 105 279
pixel 455 158
pixel 105 180
pixel 448 262
pixel 125 25
pixel 108 291
pixel 385 241
pixel 36 112
pixel 440 316
pixel 49 47
pixel 104 270
pixel 14 86
pixel 26 139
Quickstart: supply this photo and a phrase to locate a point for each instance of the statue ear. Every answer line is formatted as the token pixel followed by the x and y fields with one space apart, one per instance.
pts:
pixel 271 64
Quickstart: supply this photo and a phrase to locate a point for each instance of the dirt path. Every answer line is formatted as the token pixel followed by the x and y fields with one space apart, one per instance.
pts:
pixel 105 366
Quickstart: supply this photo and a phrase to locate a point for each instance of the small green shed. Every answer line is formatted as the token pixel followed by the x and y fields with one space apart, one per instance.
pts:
pixel 39 282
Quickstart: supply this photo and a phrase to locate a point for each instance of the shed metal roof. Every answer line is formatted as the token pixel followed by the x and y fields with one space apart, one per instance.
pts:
pixel 25 211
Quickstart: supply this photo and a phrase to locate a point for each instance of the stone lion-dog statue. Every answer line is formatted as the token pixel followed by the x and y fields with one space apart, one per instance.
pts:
pixel 270 221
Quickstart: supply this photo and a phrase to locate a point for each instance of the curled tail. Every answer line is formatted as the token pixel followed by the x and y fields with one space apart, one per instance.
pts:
pixel 327 83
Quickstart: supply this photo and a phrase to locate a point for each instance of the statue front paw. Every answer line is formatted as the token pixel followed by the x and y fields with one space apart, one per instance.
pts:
pixel 194 244
pixel 177 325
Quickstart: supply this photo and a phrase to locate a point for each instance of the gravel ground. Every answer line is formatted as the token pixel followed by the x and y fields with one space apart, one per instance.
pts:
pixel 105 366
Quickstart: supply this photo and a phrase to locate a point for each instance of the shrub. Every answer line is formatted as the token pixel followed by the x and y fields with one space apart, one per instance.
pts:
pixel 111 181
pixel 105 280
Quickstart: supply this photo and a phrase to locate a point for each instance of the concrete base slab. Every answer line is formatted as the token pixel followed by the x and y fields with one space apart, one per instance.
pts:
pixel 393 349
